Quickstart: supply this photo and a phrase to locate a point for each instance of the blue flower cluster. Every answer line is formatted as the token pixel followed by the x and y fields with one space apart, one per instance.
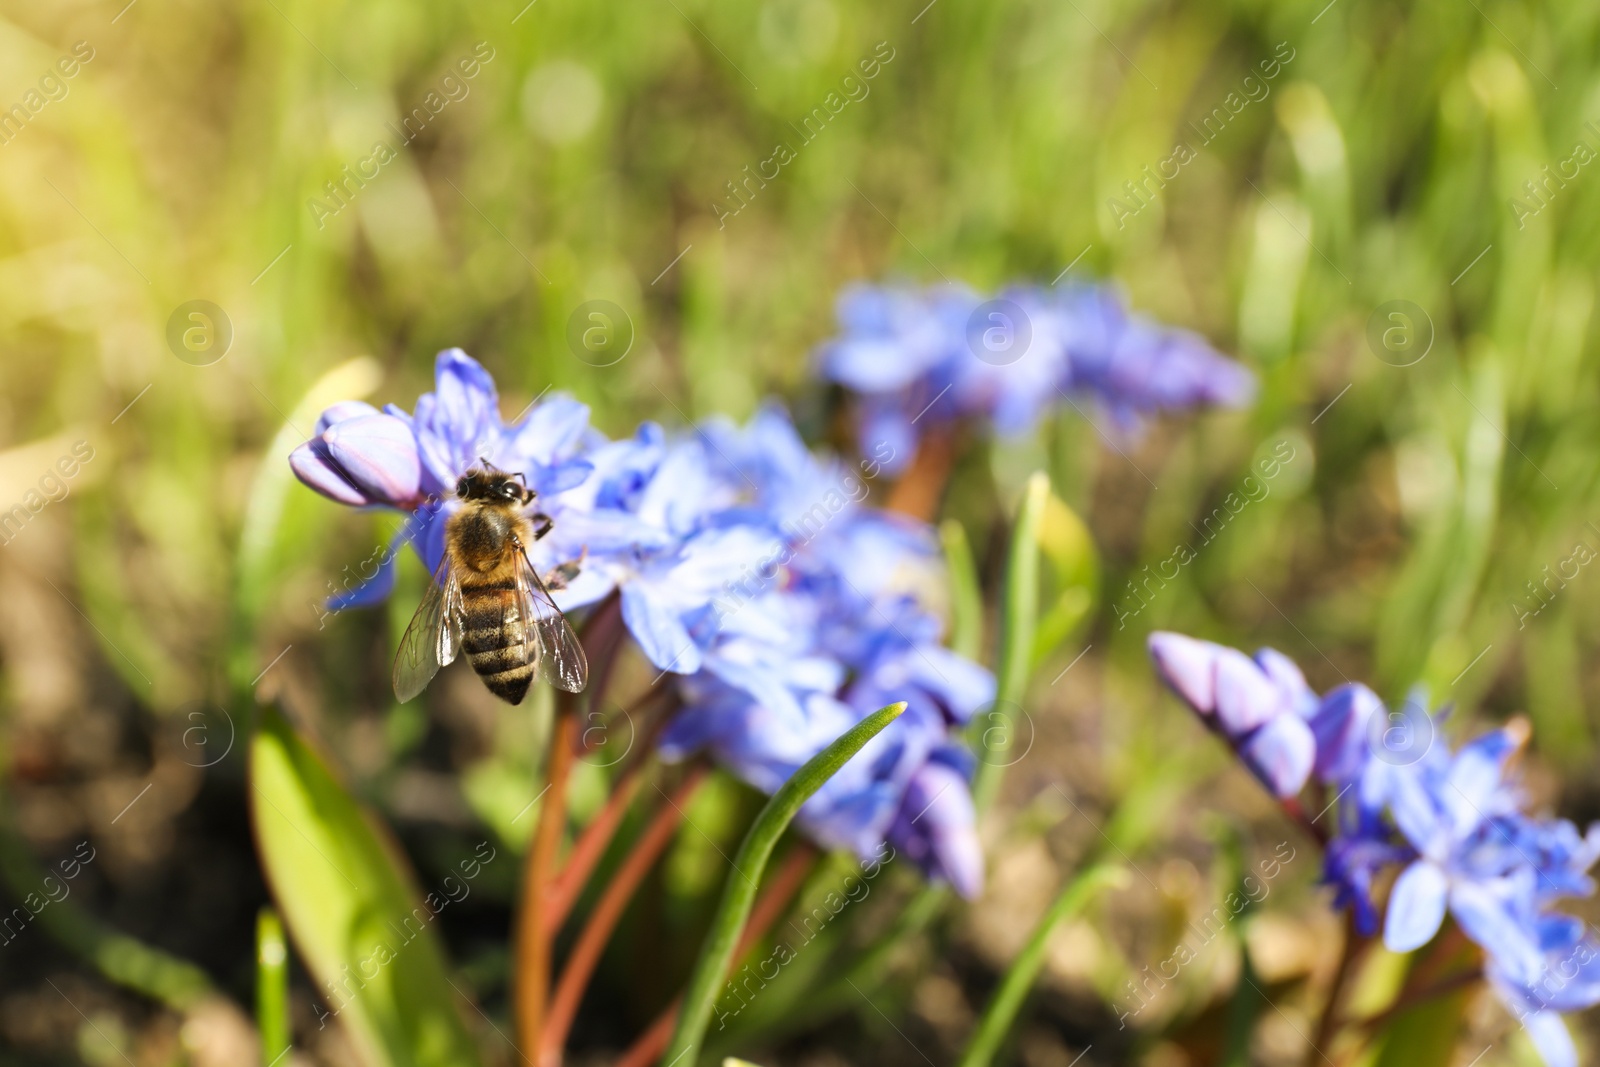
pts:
pixel 746 567
pixel 921 359
pixel 1448 825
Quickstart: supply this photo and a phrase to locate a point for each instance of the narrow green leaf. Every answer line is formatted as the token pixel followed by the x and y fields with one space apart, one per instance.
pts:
pixel 364 930
pixel 1024 970
pixel 966 598
pixel 272 986
pixel 1019 613
pixel 739 894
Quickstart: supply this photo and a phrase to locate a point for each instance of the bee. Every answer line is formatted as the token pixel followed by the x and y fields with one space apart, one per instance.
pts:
pixel 487 598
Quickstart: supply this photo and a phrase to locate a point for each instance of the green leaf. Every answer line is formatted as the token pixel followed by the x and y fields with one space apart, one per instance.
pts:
pixel 1007 1001
pixel 1426 1035
pixel 272 986
pixel 966 597
pixel 357 918
pixel 739 893
pixel 1018 620
pixel 1067 545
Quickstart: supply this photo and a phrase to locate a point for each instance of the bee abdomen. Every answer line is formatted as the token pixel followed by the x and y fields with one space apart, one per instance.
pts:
pixel 494 646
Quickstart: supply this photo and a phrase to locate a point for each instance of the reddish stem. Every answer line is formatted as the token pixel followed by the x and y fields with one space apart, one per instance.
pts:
pixel 532 975
pixel 790 877
pixel 1354 944
pixel 590 846
pixel 602 637
pixel 592 842
pixel 597 931
pixel 920 489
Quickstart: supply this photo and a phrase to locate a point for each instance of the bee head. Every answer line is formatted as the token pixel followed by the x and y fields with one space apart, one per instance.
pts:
pixel 493 486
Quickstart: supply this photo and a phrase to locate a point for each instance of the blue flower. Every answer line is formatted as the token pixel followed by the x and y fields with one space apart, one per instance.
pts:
pixel 927 358
pixel 1448 824
pixel 748 568
pixel 1496 871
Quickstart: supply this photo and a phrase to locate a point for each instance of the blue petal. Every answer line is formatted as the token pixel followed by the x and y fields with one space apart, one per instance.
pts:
pixel 1550 1037
pixel 1485 917
pixel 1341 725
pixel 548 481
pixel 887 434
pixel 313 466
pixel 659 629
pixel 1416 907
pixel 345 409
pixel 1474 787
pixel 374 590
pixel 1286 674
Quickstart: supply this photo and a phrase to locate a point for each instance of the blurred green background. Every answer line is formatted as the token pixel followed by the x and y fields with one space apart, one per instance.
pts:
pixel 1443 460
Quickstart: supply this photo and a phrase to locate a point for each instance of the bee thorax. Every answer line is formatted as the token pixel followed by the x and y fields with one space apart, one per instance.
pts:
pixel 481 535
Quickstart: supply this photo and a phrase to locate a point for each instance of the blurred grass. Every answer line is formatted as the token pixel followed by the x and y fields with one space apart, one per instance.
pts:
pixel 588 153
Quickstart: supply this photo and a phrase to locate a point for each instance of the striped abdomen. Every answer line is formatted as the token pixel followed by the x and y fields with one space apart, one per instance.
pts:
pixel 494 634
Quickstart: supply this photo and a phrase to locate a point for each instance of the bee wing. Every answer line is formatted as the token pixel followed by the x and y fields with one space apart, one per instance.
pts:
pixel 434 636
pixel 551 643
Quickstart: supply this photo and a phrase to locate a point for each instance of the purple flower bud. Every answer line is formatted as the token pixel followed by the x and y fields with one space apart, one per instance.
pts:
pixel 365 459
pixel 1246 697
pixel 378 453
pixel 1341 725
pixel 1188 666
pixel 1281 754
pixel 310 464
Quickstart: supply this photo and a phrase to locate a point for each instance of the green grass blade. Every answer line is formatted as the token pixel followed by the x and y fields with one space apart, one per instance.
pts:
pixel 1008 999
pixel 272 986
pixel 966 598
pixel 716 954
pixel 361 926
pixel 1019 616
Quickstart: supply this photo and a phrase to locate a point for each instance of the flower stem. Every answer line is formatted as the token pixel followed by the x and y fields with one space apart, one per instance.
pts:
pixel 920 489
pixel 796 866
pixel 603 919
pixel 533 942
pixel 590 846
pixel 1327 1023
pixel 592 842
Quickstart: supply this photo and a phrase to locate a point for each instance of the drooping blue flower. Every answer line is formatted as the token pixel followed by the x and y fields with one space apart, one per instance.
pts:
pixel 926 358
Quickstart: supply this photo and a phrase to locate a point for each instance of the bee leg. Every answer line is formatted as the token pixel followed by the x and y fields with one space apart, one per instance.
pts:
pixel 542 524
pixel 560 576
